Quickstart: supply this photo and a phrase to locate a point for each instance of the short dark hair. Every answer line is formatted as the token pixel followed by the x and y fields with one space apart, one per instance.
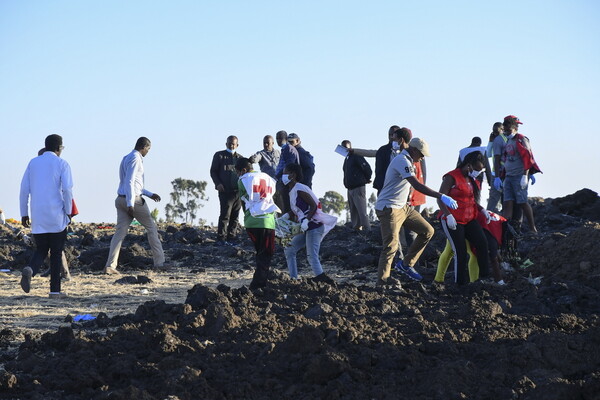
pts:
pixel 346 141
pixel 393 129
pixel 496 125
pixel 282 134
pixel 231 137
pixel 142 143
pixel 296 169
pixel 404 133
pixel 53 142
pixel 242 163
pixel 476 141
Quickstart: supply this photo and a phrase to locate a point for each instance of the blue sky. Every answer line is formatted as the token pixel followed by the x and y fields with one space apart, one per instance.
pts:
pixel 187 74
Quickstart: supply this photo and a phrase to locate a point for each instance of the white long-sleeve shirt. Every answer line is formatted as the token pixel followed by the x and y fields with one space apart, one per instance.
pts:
pixel 48 182
pixel 131 176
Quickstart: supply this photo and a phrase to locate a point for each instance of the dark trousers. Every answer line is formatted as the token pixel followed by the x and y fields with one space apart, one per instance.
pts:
pixel 228 218
pixel 473 232
pixel 264 243
pixel 55 242
pixel 283 194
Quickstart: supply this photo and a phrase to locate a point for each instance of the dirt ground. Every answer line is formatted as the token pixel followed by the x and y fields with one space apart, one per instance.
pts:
pixel 196 331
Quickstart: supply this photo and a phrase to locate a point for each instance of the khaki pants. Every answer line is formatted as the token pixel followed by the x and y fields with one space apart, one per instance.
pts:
pixel 391 220
pixel 141 213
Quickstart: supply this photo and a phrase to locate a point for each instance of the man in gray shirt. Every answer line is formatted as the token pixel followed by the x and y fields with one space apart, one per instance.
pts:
pixel 268 157
pixel 393 210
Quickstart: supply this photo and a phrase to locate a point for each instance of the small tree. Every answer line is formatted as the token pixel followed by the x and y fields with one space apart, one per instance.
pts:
pixel 372 201
pixel 154 214
pixel 333 202
pixel 186 199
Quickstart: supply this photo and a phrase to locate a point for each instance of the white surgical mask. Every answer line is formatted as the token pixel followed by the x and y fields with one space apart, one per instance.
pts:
pixel 285 178
pixel 474 174
pixel 230 151
pixel 396 145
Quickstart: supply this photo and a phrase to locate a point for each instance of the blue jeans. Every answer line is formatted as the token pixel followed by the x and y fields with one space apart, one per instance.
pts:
pixel 312 240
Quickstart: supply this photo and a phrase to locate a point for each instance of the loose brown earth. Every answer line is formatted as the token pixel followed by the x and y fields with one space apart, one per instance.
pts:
pixel 198 332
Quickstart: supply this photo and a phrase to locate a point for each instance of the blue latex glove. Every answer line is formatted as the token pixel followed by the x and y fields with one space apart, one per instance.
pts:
pixel 532 178
pixel 498 184
pixel 449 202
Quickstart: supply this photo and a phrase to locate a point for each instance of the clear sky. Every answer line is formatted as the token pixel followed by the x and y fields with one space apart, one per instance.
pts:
pixel 187 74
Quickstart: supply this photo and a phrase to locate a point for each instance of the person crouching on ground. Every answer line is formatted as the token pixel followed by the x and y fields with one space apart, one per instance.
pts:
pixel 256 191
pixel 315 224
pixel 461 223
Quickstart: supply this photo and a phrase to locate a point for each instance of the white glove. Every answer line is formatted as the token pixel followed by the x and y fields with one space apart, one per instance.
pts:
pixel 2 218
pixel 449 202
pixel 487 215
pixel 523 181
pixel 304 225
pixel 451 222
pixel 498 184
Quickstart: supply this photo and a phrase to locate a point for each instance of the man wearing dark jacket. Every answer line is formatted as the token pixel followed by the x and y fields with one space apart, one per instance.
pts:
pixel 222 172
pixel 357 173
pixel 289 155
pixel 306 160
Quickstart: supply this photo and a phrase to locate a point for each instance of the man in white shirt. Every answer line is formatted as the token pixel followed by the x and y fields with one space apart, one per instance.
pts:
pixel 393 210
pixel 130 204
pixel 48 182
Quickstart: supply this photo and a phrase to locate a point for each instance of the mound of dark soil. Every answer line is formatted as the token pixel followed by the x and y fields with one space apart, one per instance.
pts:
pixel 309 340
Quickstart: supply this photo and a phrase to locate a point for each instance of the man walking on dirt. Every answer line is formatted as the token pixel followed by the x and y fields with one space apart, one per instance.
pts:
pixel 130 204
pixel 48 182
pixel 393 210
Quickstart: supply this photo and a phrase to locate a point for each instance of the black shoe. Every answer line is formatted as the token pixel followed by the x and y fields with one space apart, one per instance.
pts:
pixel 46 273
pixel 322 277
pixel 257 285
pixel 26 279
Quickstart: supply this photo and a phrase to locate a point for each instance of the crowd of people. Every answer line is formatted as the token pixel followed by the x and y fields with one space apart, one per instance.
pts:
pixel 282 191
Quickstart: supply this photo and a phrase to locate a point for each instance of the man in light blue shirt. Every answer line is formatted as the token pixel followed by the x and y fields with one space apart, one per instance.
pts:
pixel 48 183
pixel 130 204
